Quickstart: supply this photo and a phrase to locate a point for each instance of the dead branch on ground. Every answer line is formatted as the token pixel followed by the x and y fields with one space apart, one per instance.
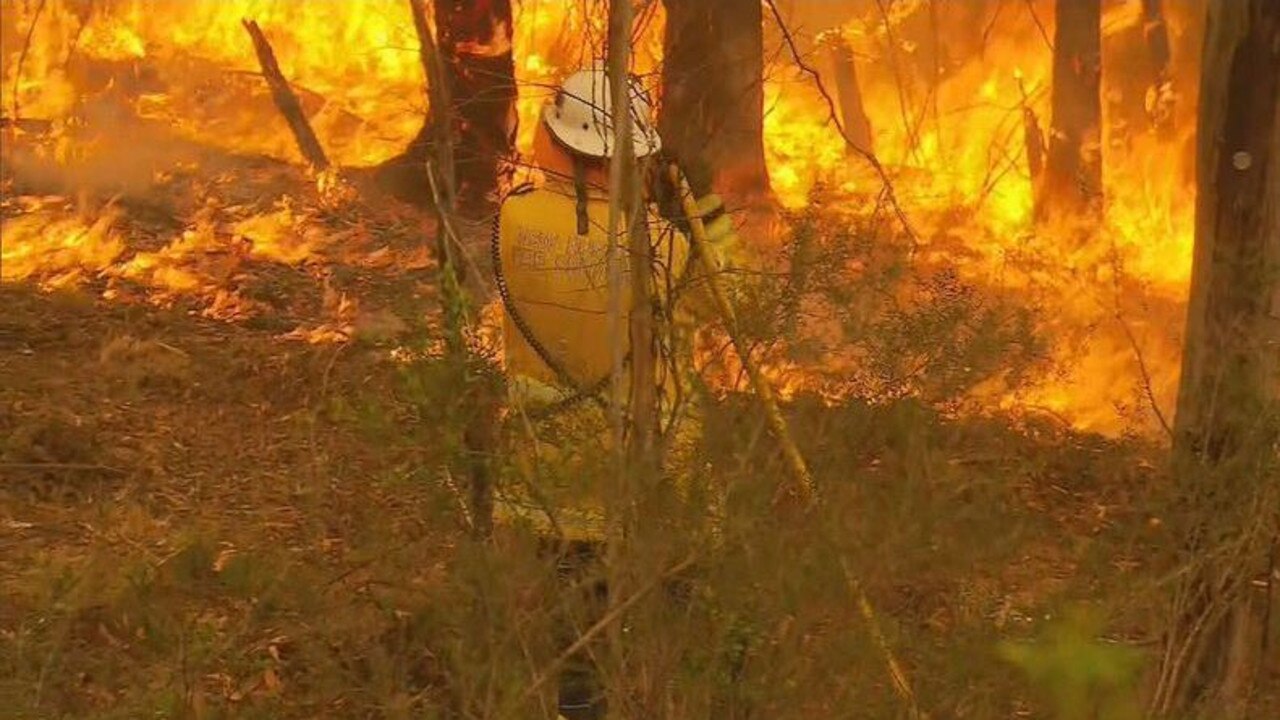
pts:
pixel 48 466
pixel 286 100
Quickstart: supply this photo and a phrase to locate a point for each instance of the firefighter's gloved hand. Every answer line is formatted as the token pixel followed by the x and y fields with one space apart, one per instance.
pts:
pixel 526 391
pixel 721 241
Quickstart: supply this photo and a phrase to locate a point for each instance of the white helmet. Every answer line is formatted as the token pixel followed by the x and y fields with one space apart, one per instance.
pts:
pixel 581 115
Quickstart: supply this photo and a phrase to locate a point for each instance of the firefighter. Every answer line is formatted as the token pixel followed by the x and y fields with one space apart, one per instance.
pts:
pixel 549 249
pixel 553 241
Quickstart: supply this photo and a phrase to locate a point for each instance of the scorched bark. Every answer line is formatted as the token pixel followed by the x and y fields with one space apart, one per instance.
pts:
pixel 1228 416
pixel 1073 171
pixel 474 42
pixel 712 113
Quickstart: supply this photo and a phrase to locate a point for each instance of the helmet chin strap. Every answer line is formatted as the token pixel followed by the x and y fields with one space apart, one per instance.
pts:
pixel 580 191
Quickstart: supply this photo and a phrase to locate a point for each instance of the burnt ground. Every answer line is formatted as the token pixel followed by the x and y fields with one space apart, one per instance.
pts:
pixel 201 516
pixel 162 437
pixel 144 449
pixel 228 500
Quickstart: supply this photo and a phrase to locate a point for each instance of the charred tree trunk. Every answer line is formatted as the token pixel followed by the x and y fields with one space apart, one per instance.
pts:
pixel 1229 398
pixel 965 38
pixel 1156 33
pixel 474 42
pixel 1032 138
pixel 1073 171
pixel 480 388
pixel 856 123
pixel 712 114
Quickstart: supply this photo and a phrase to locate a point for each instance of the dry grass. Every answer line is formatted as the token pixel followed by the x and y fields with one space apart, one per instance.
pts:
pixel 203 518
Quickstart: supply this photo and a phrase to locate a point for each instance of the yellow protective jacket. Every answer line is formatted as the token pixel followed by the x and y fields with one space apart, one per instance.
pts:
pixel 555 290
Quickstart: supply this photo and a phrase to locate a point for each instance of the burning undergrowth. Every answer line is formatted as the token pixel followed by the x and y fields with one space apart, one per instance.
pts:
pixel 224 236
pixel 855 310
pixel 158 110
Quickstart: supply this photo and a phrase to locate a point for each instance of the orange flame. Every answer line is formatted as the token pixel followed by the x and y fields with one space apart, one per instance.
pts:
pixel 954 149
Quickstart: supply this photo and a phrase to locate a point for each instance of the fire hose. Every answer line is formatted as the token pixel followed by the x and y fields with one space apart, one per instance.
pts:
pixel 579 394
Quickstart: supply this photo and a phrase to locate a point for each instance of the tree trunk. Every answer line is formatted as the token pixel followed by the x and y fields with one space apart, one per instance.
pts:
pixel 849 94
pixel 966 23
pixel 712 114
pixel 1227 427
pixel 1160 103
pixel 1073 172
pixel 474 42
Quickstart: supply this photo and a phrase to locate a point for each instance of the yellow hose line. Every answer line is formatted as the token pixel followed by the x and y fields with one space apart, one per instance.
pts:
pixel 795 461
pixel 800 476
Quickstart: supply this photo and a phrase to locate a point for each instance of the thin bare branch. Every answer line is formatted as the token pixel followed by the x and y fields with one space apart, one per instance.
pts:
pixel 608 619
pixel 1035 17
pixel 1147 388
pixel 901 684
pixel 620 180
pixel 833 115
pixel 286 100
pixel 913 139
pixel 22 58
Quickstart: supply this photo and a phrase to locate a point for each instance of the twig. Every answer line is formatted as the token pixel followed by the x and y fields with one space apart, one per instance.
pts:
pixel 799 470
pixel 286 100
pixel 912 138
pixel 1133 343
pixel 464 512
pixel 866 154
pixel 1031 8
pixel 901 684
pixel 991 24
pixel 795 461
pixel 22 57
pixel 936 38
pixel 449 235
pixel 621 168
pixel 1146 375
pixel 87 467
pixel 604 622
